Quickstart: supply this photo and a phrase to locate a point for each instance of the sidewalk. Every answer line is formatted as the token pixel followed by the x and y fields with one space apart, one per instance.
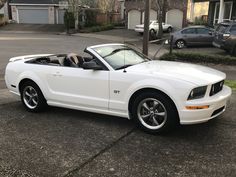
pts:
pixel 32 29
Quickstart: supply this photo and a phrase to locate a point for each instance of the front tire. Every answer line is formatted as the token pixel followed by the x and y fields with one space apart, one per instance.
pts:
pixel 169 30
pixel 154 112
pixel 180 44
pixel 153 34
pixel 32 97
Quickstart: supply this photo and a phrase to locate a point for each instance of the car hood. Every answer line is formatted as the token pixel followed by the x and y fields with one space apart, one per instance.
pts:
pixel 195 74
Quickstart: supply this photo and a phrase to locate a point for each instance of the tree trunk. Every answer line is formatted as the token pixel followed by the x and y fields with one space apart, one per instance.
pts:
pixel 160 20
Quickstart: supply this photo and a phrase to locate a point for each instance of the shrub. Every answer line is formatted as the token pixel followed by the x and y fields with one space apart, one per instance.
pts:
pixel 91 16
pixel 199 58
pixel 200 21
pixel 69 19
pixel 98 28
pixel 1 16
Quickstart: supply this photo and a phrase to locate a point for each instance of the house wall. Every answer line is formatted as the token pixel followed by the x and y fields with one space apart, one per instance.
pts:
pixel 211 11
pixel 200 9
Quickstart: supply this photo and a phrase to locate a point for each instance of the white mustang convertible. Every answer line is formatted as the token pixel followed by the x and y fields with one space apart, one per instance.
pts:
pixel 117 80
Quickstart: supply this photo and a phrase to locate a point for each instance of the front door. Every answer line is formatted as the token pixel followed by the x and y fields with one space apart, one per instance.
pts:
pixel 79 87
pixel 204 37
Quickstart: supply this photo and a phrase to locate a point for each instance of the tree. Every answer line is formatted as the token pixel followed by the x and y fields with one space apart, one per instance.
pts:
pixel 161 9
pixel 2 2
pixel 75 6
pixel 106 5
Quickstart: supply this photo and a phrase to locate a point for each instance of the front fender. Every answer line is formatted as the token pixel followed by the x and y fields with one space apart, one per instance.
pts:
pixel 177 91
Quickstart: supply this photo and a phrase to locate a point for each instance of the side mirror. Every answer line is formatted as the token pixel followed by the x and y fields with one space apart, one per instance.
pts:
pixel 210 33
pixel 91 65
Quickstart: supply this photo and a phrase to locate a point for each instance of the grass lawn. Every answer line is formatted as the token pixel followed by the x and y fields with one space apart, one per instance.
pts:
pixel 231 84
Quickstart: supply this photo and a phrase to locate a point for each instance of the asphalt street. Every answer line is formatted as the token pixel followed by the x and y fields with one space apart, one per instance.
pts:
pixel 63 142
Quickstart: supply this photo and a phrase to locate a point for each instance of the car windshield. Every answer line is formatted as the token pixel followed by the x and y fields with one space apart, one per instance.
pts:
pixel 120 56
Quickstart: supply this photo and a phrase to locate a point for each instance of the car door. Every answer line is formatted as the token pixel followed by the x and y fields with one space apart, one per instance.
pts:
pixel 204 38
pixel 190 36
pixel 79 87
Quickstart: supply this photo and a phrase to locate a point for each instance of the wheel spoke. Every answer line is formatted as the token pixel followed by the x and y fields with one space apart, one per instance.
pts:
pixel 146 106
pixel 155 121
pixel 161 113
pixel 155 104
pixel 145 116
pixel 27 94
pixel 34 101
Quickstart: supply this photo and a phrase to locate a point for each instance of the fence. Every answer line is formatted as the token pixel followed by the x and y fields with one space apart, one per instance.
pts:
pixel 103 18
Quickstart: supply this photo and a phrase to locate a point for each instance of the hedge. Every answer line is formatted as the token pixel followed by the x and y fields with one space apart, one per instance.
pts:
pixel 98 28
pixel 199 58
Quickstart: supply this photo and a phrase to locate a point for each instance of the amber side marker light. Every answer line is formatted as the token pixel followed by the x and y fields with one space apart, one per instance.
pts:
pixel 197 107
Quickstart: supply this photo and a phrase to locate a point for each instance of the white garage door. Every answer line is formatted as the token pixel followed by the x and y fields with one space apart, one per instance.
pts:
pixel 175 18
pixel 33 16
pixel 153 15
pixel 134 17
pixel 61 16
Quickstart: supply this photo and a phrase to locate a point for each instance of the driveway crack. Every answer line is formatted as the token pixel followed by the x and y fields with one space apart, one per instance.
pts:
pixel 74 171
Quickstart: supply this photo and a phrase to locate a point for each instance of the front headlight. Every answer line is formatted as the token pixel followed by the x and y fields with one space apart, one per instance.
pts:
pixel 197 93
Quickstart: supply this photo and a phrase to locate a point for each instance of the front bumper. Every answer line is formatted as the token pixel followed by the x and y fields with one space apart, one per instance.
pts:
pixel 218 45
pixel 217 105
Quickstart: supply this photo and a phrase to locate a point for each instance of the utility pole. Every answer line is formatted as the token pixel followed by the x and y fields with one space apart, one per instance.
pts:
pixel 146 27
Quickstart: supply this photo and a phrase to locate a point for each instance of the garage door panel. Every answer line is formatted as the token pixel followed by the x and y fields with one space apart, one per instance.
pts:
pixel 61 16
pixel 33 16
pixel 134 17
pixel 175 18
pixel 153 15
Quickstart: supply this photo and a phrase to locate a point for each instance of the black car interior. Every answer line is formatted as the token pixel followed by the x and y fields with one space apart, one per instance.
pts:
pixel 69 60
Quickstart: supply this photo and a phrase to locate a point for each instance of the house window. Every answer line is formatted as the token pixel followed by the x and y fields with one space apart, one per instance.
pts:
pixel 227 11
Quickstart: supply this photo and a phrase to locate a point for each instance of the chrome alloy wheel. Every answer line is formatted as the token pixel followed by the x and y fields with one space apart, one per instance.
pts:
pixel 180 44
pixel 152 113
pixel 30 97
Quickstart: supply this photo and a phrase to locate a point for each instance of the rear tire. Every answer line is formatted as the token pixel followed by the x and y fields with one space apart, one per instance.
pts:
pixel 32 97
pixel 154 112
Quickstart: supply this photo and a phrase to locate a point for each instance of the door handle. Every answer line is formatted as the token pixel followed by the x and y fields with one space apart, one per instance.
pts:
pixel 57 74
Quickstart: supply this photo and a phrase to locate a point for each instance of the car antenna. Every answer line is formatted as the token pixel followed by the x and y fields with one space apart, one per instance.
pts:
pixel 124 55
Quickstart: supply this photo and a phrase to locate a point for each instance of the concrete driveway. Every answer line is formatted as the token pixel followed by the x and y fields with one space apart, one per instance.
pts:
pixel 63 142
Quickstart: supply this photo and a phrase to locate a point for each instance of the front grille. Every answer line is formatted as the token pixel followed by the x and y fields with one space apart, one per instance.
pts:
pixel 218 111
pixel 216 88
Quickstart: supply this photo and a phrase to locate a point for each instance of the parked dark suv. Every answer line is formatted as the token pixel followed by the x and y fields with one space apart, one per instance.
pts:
pixel 225 37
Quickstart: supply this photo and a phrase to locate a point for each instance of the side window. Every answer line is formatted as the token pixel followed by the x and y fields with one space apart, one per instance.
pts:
pixel 189 31
pixel 233 29
pixel 222 28
pixel 202 31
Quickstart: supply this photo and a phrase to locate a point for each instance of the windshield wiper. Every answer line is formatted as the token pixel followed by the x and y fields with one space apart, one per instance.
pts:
pixel 123 67
pixel 116 51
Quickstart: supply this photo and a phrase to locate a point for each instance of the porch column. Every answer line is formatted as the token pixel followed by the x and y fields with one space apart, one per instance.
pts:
pixel 192 4
pixel 221 12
